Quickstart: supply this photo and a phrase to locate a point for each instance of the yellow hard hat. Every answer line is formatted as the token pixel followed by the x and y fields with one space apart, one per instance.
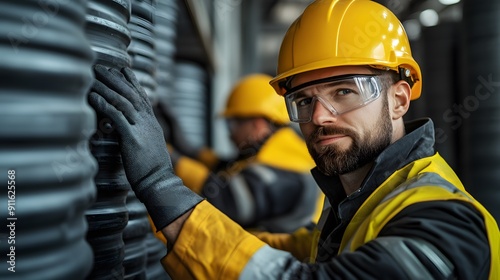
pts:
pixel 333 33
pixel 252 96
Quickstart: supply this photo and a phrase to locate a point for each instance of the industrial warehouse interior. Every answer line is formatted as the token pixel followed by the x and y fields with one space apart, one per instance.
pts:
pixel 76 216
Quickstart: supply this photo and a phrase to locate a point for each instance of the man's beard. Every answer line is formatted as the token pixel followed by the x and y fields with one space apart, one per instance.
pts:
pixel 332 160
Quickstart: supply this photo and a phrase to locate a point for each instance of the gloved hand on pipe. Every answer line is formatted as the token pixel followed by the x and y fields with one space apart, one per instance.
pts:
pixel 119 96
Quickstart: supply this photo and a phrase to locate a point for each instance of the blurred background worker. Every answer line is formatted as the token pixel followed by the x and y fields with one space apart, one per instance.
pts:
pixel 268 186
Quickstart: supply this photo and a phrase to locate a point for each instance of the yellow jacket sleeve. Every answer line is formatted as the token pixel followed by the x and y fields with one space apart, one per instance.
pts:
pixel 298 243
pixel 210 246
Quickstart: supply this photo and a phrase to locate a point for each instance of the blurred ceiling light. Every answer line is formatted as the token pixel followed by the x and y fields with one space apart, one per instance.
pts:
pixel 429 17
pixel 269 44
pixel 449 2
pixel 412 27
pixel 287 12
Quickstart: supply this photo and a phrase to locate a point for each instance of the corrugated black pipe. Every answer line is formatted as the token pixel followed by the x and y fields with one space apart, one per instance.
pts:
pixel 46 167
pixel 109 36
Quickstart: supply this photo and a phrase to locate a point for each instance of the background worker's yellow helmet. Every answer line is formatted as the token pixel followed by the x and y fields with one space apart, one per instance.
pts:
pixel 346 32
pixel 253 96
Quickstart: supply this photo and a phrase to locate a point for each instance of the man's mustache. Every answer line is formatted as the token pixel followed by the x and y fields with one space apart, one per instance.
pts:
pixel 329 130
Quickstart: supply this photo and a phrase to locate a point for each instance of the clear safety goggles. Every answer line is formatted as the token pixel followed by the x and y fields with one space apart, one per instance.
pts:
pixel 338 94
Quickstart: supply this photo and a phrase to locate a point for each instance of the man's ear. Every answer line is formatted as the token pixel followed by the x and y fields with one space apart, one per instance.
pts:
pixel 400 99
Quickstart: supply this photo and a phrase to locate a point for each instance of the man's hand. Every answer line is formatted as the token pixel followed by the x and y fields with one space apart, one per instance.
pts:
pixel 119 96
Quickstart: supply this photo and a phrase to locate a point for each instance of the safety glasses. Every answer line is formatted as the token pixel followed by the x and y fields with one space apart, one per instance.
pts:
pixel 339 94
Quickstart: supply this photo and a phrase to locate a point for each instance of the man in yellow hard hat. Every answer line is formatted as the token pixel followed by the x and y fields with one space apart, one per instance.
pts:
pixel 272 160
pixel 398 211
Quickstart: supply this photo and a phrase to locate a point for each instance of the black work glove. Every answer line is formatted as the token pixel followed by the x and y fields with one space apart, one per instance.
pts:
pixel 119 96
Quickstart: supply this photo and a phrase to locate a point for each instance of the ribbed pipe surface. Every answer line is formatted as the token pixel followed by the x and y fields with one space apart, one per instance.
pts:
pixel 166 34
pixel 141 51
pixel 189 101
pixel 109 36
pixel 142 47
pixel 107 29
pixel 45 123
pixel 134 237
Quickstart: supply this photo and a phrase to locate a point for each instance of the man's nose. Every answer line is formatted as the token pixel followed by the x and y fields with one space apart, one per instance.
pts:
pixel 323 112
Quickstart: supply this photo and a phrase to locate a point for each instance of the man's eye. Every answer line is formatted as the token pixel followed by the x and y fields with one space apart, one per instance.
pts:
pixel 304 101
pixel 344 91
